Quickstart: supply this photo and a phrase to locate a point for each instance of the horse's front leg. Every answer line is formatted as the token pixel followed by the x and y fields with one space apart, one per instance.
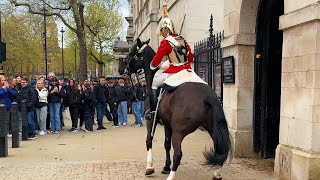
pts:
pixel 167 146
pixel 150 168
pixel 177 155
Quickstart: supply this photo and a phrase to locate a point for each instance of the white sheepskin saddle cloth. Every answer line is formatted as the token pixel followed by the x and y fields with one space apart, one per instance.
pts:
pixel 187 75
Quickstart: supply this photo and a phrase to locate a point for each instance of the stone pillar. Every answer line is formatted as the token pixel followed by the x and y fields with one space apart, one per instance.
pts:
pixel 15 125
pixel 298 154
pixel 3 131
pixel 239 42
pixel 24 120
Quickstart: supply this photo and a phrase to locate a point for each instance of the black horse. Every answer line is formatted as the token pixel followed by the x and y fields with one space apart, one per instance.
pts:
pixel 181 111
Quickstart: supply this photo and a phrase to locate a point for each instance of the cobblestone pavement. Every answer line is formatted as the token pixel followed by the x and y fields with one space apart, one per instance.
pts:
pixel 117 154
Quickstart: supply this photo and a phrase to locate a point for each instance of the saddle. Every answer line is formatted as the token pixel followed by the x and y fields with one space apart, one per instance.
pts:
pixel 184 76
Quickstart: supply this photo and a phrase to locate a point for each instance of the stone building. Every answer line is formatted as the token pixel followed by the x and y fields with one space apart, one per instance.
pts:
pixel 129 19
pixel 121 50
pixel 192 15
pixel 273 107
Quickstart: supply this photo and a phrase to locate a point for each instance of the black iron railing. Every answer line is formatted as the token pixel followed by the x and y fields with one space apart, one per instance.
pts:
pixel 207 62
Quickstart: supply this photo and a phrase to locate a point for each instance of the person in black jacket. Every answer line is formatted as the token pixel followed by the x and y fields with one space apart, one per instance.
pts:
pixel 18 86
pixel 107 113
pixel 88 102
pixel 99 91
pixel 28 94
pixel 122 95
pixel 64 89
pixel 54 99
pixel 73 100
pixel 137 104
pixel 112 100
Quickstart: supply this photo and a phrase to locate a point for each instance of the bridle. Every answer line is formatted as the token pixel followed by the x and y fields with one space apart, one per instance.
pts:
pixel 136 57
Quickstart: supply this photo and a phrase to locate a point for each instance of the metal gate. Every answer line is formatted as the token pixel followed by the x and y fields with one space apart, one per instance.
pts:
pixel 207 60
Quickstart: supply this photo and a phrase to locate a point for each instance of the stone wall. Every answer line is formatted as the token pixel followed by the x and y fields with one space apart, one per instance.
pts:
pixel 196 23
pixel 298 154
pixel 239 25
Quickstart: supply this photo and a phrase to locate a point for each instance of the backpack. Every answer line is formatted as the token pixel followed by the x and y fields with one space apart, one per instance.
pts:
pixel 93 101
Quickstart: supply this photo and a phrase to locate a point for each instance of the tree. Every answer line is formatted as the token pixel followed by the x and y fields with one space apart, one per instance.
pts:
pixel 22 33
pixel 61 9
pixel 103 23
pixel 71 13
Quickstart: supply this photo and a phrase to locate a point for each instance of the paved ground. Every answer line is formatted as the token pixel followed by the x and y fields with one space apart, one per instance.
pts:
pixel 116 154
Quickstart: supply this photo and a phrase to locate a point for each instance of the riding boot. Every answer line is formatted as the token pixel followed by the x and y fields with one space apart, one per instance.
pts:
pixel 153 104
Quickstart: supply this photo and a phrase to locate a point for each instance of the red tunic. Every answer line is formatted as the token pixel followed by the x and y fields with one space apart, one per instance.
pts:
pixel 165 49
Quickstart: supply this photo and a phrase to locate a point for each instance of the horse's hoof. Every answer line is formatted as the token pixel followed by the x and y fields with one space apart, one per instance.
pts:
pixel 165 171
pixel 149 172
pixel 217 178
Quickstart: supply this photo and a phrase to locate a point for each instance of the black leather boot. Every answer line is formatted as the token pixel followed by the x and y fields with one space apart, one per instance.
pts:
pixel 153 104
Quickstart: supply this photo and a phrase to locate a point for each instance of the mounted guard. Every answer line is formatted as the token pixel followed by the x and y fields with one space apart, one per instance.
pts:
pixel 191 104
pixel 178 52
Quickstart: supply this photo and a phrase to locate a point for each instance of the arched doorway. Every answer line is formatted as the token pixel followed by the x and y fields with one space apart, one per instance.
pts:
pixel 267 77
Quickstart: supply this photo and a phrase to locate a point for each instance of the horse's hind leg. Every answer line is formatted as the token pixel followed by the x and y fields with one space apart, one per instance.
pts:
pixel 150 168
pixel 167 145
pixel 176 143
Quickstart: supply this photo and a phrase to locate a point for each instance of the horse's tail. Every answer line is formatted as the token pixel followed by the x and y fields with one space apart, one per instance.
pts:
pixel 221 136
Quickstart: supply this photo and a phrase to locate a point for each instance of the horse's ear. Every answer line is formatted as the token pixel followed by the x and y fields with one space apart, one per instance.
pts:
pixel 139 44
pixel 147 42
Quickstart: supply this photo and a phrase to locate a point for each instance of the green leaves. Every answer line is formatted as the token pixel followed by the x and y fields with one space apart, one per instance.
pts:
pixel 103 25
pixel 24 42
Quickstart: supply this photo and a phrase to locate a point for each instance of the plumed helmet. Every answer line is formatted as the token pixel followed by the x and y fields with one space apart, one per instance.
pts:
pixel 165 22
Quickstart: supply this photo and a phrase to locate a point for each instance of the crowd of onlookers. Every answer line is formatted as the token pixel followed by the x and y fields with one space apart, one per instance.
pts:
pixel 47 99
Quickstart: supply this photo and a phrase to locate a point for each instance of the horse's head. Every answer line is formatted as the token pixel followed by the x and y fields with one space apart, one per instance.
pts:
pixel 135 59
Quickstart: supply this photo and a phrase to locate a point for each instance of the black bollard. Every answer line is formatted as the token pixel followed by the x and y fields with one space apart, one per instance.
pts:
pixel 3 132
pixel 15 125
pixel 24 120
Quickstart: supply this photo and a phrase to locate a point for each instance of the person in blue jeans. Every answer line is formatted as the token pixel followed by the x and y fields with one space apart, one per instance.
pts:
pixel 28 94
pixel 137 104
pixel 54 99
pixel 99 92
pixel 122 95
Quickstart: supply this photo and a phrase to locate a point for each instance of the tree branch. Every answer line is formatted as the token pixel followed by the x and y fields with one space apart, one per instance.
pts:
pixel 44 13
pixel 81 12
pixel 91 30
pixel 97 60
pixel 62 9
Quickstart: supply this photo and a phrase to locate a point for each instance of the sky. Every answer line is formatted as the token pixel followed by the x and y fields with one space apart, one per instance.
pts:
pixel 124 12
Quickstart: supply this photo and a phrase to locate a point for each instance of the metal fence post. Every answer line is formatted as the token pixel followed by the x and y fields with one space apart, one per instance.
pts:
pixel 15 125
pixel 24 120
pixel 3 132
